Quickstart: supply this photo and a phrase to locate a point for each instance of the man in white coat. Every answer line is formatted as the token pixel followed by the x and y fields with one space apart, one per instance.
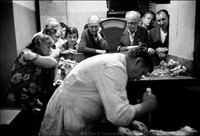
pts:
pixel 96 88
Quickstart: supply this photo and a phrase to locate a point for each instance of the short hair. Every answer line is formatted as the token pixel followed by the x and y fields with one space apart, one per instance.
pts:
pixel 71 30
pixel 51 19
pixel 63 25
pixel 136 13
pixel 37 40
pixel 94 18
pixel 142 52
pixel 164 11
pixel 152 13
pixel 51 27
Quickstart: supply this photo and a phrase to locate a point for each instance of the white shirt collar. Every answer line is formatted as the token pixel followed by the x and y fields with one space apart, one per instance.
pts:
pixel 133 32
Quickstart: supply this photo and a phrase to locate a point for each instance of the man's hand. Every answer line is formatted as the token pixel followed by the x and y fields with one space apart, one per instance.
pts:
pixel 150 100
pixel 99 33
pixel 162 55
pixel 132 47
pixel 161 50
pixel 151 51
pixel 101 51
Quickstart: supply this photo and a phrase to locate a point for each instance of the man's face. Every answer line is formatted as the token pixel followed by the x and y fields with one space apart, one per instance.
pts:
pixel 162 20
pixel 93 28
pixel 148 19
pixel 136 70
pixel 132 23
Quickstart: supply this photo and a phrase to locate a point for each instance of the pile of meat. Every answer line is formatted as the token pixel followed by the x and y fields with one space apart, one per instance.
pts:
pixel 185 131
pixel 172 68
pixel 136 128
pixel 139 129
pixel 64 67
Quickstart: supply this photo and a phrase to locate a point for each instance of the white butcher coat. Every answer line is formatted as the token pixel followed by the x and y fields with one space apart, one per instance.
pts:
pixel 96 87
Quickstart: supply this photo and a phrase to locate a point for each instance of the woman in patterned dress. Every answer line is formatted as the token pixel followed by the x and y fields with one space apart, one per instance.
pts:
pixel 31 81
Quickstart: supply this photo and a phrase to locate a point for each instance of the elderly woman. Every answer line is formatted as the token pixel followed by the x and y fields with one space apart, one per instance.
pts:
pixel 32 74
pixel 54 30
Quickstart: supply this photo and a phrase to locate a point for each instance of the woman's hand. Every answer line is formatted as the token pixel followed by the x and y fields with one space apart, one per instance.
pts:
pixel 69 51
pixel 55 53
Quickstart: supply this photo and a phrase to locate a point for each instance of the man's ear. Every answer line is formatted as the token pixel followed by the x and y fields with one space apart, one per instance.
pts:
pixel 139 61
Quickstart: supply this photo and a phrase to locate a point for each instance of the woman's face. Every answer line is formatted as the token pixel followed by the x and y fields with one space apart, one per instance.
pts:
pixel 45 48
pixel 72 38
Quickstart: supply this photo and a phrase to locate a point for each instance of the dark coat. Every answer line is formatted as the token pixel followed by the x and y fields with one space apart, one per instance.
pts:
pixel 88 44
pixel 155 38
pixel 141 35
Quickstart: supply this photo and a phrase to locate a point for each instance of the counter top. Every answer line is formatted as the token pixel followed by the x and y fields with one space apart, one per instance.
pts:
pixel 147 78
pixel 74 56
pixel 166 74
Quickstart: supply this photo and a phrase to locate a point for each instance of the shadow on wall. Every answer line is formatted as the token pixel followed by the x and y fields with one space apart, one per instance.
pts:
pixel 8 51
pixel 19 25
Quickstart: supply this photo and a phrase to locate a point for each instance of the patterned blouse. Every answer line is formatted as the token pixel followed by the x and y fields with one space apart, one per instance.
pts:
pixel 30 85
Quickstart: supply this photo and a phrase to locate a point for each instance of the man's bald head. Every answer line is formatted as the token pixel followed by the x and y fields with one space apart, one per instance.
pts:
pixel 94 19
pixel 94 24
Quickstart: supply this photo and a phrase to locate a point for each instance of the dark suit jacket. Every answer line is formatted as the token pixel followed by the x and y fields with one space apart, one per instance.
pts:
pixel 88 44
pixel 141 35
pixel 155 39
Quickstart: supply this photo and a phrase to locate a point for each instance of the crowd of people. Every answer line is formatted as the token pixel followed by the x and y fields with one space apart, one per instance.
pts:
pixel 96 87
